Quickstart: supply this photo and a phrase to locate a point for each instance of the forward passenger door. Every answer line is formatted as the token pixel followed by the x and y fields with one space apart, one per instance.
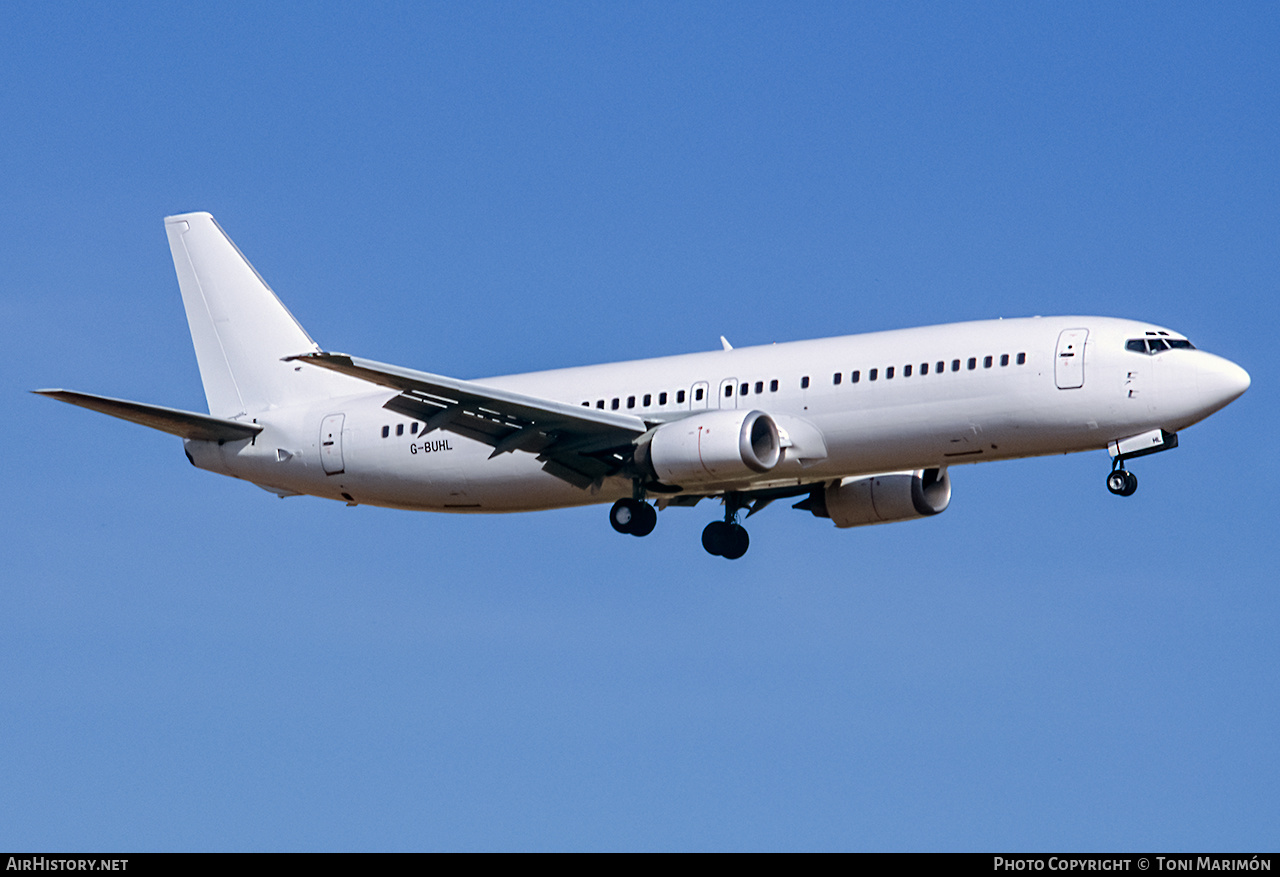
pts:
pixel 1068 364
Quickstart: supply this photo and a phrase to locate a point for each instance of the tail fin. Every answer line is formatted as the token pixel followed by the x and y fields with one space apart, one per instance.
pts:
pixel 239 328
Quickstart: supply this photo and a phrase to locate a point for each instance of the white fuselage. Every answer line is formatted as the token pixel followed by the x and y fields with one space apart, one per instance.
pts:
pixel 1006 389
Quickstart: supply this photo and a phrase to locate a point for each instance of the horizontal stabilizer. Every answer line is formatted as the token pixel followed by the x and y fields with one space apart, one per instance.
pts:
pixel 186 424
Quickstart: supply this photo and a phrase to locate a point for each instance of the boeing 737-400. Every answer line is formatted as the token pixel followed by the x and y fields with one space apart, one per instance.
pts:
pixel 860 429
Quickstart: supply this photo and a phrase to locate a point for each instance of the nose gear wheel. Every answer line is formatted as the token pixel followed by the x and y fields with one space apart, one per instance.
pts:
pixel 1122 482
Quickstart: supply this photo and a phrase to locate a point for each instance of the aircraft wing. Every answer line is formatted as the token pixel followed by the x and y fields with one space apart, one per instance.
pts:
pixel 187 424
pixel 577 444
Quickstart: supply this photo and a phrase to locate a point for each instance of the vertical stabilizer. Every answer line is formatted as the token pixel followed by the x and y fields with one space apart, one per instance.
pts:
pixel 239 328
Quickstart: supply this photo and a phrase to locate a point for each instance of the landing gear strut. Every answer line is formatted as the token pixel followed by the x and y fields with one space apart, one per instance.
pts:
pixel 1121 481
pixel 727 538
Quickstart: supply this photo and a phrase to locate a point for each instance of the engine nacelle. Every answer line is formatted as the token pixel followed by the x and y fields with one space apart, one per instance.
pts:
pixel 880 499
pixel 711 447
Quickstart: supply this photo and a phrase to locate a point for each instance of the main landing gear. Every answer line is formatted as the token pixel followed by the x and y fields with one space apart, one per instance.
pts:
pixel 727 538
pixel 634 516
pixel 1121 481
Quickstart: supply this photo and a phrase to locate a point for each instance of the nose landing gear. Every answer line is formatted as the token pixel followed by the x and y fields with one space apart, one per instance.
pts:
pixel 727 538
pixel 1122 482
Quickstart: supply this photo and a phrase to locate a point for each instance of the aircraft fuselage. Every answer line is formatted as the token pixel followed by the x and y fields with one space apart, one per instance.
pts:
pixel 1001 393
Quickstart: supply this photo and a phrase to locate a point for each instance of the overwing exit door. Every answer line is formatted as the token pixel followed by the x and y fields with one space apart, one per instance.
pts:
pixel 727 397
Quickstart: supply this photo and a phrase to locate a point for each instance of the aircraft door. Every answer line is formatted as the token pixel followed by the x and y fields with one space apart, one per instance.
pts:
pixel 331 444
pixel 728 398
pixel 1068 365
pixel 698 395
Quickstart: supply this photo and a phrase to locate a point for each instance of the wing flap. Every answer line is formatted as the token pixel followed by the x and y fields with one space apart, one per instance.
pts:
pixel 476 396
pixel 575 444
pixel 186 424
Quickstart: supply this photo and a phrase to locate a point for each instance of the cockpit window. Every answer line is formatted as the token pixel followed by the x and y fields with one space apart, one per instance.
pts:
pixel 1152 346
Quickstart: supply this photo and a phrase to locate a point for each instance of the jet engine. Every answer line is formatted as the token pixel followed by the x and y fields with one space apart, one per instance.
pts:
pixel 712 447
pixel 880 499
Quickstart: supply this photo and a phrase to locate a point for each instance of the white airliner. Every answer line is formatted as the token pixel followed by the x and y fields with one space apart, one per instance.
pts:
pixel 862 428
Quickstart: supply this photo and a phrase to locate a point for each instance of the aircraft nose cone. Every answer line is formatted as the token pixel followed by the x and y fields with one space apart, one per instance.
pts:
pixel 1222 381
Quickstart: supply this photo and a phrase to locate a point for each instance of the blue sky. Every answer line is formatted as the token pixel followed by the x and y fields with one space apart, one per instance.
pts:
pixel 472 189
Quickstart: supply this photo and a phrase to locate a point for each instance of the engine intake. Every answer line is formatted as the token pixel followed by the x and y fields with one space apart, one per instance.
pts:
pixel 881 499
pixel 712 447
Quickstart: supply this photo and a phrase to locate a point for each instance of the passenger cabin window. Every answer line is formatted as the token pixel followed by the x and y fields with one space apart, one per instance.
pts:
pixel 924 368
pixel 759 387
pixel 413 427
pixel 888 373
pixel 728 390
pixel 986 362
pixel 835 378
pixel 804 382
pixel 742 391
pixel 1004 359
pixel 697 395
pixel 599 403
pixel 399 429
pixel 955 365
pixel 662 398
pixel 973 363
pixel 648 400
pixel 773 386
pixel 855 377
pixel 386 431
pixel 1022 359
pixel 614 404
pixel 631 401
pixel 906 371
pixel 679 397
pixel 873 374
